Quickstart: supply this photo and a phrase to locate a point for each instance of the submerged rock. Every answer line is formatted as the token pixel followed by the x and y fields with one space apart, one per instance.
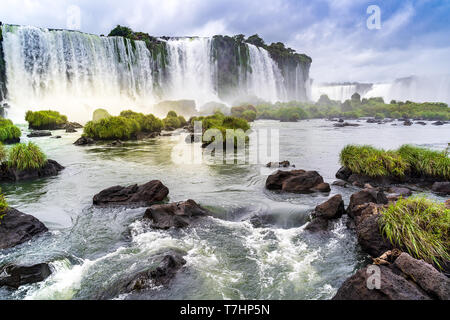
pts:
pixel 51 168
pixel 404 279
pixel 38 134
pixel 421 123
pixel 345 124
pixel 178 214
pixel 116 143
pixel 83 141
pixel 407 123
pixel 282 164
pixel 15 276
pixel 438 123
pixel 165 271
pixel 147 194
pixel 297 181
pixel 17 227
pixel 441 187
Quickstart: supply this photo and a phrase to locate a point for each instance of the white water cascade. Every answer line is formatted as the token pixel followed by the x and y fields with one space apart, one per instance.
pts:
pixel 264 80
pixel 63 70
pixel 192 73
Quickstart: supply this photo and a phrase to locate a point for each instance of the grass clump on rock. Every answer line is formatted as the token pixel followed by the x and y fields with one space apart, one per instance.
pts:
pixel 407 160
pixel 8 131
pixel 45 119
pixel 419 225
pixel 26 156
pixel 3 205
pixel 147 123
pixel 112 128
pixel 173 121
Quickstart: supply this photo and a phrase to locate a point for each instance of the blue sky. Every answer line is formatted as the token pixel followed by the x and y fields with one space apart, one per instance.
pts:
pixel 413 39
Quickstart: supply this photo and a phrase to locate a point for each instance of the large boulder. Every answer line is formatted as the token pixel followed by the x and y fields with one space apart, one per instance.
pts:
pixel 84 141
pixel 317 225
pixel 15 276
pixel 365 196
pixel 51 168
pixel 146 194
pixel 404 279
pixel 17 227
pixel 344 173
pixel 441 187
pixel 333 208
pixel 368 231
pixel 38 134
pixel 297 181
pixel 178 214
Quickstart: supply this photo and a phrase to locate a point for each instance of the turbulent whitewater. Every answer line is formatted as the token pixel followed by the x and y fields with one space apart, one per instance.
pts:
pixel 75 72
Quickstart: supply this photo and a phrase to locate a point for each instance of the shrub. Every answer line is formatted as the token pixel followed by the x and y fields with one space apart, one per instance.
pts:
pixel 249 115
pixel 373 162
pixel 100 114
pixel 112 128
pixel 26 156
pixel 3 205
pixel 419 225
pixel 171 114
pixel 3 153
pixel 45 119
pixel 426 162
pixel 8 131
pixel 173 121
pixel 147 123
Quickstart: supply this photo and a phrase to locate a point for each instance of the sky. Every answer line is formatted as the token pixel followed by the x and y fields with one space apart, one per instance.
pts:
pixel 412 38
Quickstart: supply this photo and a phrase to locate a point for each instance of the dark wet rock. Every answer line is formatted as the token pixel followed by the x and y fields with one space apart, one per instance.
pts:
pixel 393 287
pixel 297 181
pixel 341 120
pixel 425 275
pixel 282 164
pixel 15 276
pixel 83 141
pixel 372 120
pixel 17 227
pixel 51 168
pixel 193 138
pixel 148 194
pixel 421 123
pixel 343 173
pixel 407 123
pixel 56 137
pixel 116 143
pixel 74 125
pixel 165 271
pixel 340 183
pixel 270 219
pixel 401 278
pixel 38 134
pixel 333 208
pixel 363 197
pixel 317 225
pixel 441 187
pixel 395 193
pixel 345 124
pixel 368 230
pixel 438 123
pixel 70 128
pixel 178 214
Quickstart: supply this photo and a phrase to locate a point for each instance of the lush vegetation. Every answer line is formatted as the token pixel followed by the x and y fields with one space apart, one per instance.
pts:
pixel 125 126
pixel 47 119
pixel 173 121
pixel 26 156
pixel 352 109
pixel 407 159
pixel 247 112
pixel 420 226
pixel 3 205
pixel 8 131
pixel 3 153
pixel 220 122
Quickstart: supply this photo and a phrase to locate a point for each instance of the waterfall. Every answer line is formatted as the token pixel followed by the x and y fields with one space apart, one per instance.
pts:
pixel 65 69
pixel 192 73
pixel 76 73
pixel 415 88
pixel 264 78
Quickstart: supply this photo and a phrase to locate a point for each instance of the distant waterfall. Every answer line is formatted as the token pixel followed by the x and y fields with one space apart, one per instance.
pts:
pixel 415 88
pixel 75 72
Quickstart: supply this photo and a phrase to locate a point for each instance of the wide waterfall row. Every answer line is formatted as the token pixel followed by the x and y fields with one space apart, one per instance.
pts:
pixel 63 70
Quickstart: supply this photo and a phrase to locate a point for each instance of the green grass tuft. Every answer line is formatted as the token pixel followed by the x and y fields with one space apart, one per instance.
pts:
pixel 3 153
pixel 420 226
pixel 8 131
pixel 112 128
pixel 47 119
pixel 3 205
pixel 26 156
pixel 395 163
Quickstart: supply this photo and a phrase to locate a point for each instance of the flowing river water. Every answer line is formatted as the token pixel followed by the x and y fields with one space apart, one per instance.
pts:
pixel 92 249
